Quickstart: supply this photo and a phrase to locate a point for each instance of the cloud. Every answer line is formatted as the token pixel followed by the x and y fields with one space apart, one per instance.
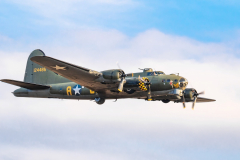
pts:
pixel 69 14
pixel 45 2
pixel 124 141
pixel 23 153
pixel 128 128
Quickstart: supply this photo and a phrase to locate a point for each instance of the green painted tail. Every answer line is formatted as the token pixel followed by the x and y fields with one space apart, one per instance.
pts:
pixel 40 75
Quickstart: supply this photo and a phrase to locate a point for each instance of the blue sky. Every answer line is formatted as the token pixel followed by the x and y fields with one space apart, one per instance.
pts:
pixel 198 39
pixel 201 19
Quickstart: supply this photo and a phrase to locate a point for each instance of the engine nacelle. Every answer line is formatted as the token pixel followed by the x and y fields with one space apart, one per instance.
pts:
pixel 113 74
pixel 189 92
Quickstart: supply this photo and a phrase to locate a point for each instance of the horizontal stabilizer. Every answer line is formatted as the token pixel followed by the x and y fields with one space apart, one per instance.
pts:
pixel 26 85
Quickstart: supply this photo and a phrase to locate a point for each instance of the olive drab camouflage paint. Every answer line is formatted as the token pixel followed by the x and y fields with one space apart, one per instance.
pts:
pixel 40 75
pixel 46 77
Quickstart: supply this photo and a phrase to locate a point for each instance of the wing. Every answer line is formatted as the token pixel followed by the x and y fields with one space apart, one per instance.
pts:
pixel 201 99
pixel 77 74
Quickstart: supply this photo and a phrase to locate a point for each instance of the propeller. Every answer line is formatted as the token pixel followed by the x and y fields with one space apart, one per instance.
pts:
pixel 149 96
pixel 148 83
pixel 148 88
pixel 184 105
pixel 195 95
pixel 194 101
pixel 118 65
pixel 123 76
pixel 203 92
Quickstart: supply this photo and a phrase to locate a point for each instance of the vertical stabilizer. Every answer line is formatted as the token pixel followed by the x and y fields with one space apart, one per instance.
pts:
pixel 40 75
pixel 30 65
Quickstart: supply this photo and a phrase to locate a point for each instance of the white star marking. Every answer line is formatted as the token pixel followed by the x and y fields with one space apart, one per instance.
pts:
pixel 77 90
pixel 58 67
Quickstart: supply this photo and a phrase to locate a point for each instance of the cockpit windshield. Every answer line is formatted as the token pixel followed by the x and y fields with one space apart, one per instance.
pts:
pixel 182 80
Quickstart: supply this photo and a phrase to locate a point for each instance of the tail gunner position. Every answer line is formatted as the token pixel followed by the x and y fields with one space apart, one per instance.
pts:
pixel 46 77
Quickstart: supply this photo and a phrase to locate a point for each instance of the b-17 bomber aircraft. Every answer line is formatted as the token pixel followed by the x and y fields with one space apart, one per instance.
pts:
pixel 46 77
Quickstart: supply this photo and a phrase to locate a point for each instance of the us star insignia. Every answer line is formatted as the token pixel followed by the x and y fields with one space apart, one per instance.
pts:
pixel 59 68
pixel 77 89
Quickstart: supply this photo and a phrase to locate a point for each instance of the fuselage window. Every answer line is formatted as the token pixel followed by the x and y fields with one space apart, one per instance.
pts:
pixel 175 80
pixel 163 80
pixel 168 80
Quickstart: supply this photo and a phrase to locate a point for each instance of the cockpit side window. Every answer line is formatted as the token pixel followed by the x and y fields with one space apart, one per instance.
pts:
pixel 150 74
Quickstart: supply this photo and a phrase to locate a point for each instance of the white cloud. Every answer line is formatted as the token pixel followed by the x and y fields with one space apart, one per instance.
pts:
pixel 71 13
pixel 212 67
pixel 59 2
pixel 24 153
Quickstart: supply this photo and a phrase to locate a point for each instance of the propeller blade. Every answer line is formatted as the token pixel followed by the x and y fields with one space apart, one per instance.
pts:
pixel 147 83
pixel 184 106
pixel 118 65
pixel 149 93
pixel 194 101
pixel 120 87
pixel 203 92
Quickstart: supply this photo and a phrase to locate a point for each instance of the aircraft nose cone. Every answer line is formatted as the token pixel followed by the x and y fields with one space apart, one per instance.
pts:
pixel 183 82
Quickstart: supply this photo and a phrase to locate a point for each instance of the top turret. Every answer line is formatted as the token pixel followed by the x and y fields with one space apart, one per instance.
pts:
pixel 147 70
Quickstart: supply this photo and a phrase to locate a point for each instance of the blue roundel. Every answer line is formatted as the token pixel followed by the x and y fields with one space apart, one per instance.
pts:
pixel 77 90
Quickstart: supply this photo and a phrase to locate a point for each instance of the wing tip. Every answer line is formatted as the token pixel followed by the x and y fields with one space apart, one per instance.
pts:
pixel 202 99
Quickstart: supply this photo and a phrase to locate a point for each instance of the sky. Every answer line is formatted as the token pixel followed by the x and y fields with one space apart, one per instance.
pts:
pixel 198 39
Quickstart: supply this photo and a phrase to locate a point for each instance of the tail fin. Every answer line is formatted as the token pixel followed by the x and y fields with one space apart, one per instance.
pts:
pixel 39 75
